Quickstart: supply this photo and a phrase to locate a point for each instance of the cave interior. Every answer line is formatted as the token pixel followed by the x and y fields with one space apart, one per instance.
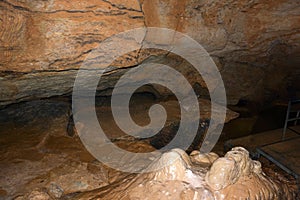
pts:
pixel 233 63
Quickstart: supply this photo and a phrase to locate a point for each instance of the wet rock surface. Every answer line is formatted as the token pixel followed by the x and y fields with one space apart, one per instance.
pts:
pixel 40 161
pixel 183 179
pixel 255 45
pixel 38 154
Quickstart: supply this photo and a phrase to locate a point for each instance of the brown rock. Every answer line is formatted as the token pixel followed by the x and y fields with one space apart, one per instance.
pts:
pixel 43 43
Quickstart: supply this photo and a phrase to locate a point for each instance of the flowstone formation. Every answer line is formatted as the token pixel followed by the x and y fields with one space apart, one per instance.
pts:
pixel 237 176
pixel 200 177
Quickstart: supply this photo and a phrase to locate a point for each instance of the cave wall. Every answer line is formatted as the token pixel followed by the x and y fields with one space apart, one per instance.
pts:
pixel 255 43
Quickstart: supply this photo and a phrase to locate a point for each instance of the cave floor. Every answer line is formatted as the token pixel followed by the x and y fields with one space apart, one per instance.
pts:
pixel 251 142
pixel 35 161
pixel 61 166
pixel 37 157
pixel 285 154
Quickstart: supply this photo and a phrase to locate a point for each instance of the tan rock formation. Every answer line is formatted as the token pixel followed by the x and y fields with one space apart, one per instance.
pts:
pixel 42 43
pixel 234 176
pixel 203 159
pixel 41 162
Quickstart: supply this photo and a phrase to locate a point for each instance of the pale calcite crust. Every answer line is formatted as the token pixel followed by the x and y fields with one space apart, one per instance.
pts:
pixel 201 158
pixel 223 172
pixel 176 177
pixel 206 176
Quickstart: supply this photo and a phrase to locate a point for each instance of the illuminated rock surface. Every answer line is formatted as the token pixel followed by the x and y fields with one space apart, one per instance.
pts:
pixel 234 176
pixel 40 161
pixel 42 43
pixel 62 169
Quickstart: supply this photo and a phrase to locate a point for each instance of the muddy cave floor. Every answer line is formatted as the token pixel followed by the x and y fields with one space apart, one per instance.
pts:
pixel 37 154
